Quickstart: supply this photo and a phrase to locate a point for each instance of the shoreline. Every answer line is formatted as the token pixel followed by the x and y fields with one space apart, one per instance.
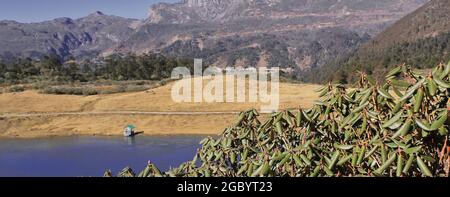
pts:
pixel 62 135
pixel 112 125
pixel 30 114
pixel 104 136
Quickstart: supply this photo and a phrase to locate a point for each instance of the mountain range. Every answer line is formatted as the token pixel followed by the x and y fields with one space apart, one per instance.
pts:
pixel 301 34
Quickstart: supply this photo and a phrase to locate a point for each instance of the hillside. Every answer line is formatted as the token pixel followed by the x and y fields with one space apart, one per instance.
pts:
pixel 429 21
pixel 299 34
pixel 419 39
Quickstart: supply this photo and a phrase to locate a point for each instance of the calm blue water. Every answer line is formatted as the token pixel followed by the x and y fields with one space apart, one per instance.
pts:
pixel 91 156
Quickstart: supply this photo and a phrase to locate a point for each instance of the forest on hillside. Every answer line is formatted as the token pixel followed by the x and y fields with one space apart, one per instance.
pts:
pixel 119 68
pixel 377 62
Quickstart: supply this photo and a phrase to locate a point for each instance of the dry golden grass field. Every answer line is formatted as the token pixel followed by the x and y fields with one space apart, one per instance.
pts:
pixel 30 114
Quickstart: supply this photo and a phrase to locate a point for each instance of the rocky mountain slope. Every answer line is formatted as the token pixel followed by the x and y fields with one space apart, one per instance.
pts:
pixel 302 34
pixel 420 39
pixel 86 37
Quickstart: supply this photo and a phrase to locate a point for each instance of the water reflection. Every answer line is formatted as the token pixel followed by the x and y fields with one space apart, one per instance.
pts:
pixel 131 141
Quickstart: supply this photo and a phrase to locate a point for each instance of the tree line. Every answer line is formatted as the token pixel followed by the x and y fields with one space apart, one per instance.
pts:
pixel 116 67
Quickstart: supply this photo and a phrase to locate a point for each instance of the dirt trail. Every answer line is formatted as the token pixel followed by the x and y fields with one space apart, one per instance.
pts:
pixel 90 105
pixel 106 113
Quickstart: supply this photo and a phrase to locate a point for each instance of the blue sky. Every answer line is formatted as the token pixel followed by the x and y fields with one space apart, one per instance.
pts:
pixel 41 10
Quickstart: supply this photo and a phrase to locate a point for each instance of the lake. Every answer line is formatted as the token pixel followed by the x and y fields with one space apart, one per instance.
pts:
pixel 91 156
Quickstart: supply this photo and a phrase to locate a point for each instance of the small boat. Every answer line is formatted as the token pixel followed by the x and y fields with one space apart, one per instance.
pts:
pixel 128 131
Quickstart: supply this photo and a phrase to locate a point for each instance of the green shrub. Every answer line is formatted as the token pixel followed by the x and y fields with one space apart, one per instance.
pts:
pixel 70 90
pixel 40 85
pixel 364 131
pixel 17 88
pixel 89 91
pixel 136 88
pixel 125 88
pixel 140 83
